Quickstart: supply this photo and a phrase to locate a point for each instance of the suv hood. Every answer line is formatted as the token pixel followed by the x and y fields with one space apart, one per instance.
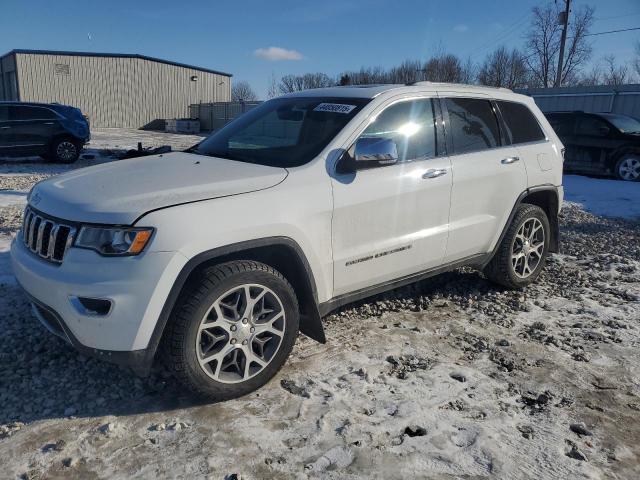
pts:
pixel 121 191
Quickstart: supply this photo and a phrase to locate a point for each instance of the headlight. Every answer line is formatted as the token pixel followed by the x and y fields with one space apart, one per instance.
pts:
pixel 114 240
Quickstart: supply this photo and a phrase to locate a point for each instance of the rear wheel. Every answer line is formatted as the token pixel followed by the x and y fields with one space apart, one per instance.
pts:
pixel 523 251
pixel 64 150
pixel 233 330
pixel 628 168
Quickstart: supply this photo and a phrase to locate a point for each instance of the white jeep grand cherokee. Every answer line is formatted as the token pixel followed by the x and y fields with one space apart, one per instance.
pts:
pixel 213 259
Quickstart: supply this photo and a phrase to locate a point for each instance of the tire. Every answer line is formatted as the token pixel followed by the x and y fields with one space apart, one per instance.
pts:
pixel 517 262
pixel 64 150
pixel 628 168
pixel 218 298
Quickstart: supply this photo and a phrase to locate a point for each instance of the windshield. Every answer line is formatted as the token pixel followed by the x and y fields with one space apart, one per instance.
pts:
pixel 623 123
pixel 284 132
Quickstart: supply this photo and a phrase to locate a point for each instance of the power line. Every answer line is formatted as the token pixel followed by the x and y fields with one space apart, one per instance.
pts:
pixel 611 31
pixel 617 16
pixel 501 36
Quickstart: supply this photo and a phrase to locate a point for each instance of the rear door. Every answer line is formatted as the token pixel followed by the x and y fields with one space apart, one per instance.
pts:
pixel 488 175
pixel 32 127
pixel 392 221
pixel 5 127
pixel 523 131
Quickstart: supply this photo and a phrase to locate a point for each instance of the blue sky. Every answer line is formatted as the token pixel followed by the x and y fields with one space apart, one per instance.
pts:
pixel 327 36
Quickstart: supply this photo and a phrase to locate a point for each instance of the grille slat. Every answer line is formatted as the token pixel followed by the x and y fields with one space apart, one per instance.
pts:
pixel 46 237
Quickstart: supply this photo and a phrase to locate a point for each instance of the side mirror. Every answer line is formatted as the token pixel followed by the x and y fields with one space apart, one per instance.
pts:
pixel 603 130
pixel 375 151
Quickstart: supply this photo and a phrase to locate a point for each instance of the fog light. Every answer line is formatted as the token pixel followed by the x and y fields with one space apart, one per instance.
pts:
pixel 95 307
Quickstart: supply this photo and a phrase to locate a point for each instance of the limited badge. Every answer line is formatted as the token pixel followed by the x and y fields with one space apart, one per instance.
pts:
pixel 334 108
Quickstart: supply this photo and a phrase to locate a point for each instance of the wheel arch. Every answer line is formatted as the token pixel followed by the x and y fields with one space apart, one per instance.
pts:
pixel 281 253
pixel 545 197
pixel 617 154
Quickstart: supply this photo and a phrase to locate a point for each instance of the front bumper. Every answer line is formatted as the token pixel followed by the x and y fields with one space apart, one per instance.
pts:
pixel 137 287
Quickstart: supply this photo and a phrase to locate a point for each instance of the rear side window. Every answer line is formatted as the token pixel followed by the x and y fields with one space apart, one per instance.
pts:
pixel 411 124
pixel 4 113
pixel 562 124
pixel 18 112
pixel 592 126
pixel 473 125
pixel 520 123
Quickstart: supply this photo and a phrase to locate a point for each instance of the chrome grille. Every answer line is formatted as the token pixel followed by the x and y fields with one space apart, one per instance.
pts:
pixel 46 237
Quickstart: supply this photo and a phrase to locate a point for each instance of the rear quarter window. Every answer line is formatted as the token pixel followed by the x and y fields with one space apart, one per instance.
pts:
pixel 520 123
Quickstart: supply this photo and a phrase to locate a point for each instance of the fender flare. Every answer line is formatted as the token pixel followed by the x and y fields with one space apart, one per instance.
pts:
pixel 554 243
pixel 310 322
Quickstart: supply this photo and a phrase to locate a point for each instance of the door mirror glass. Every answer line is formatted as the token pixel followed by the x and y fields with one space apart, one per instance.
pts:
pixel 375 150
pixel 603 130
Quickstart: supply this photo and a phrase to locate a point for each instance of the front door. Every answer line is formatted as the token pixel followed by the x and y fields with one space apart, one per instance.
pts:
pixel 392 221
pixel 32 128
pixel 592 142
pixel 488 177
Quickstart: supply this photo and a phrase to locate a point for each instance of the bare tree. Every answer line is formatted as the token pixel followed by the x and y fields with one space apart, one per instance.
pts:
pixel 543 44
pixel 272 86
pixel 242 92
pixel 592 77
pixel 503 68
pixel 636 60
pixel 445 67
pixel 295 83
pixel 615 74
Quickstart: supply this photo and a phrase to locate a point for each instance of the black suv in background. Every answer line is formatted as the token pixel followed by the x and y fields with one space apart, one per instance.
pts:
pixel 55 132
pixel 599 143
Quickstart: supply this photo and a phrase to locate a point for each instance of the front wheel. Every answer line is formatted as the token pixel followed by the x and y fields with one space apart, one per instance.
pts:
pixel 232 330
pixel 628 168
pixel 522 252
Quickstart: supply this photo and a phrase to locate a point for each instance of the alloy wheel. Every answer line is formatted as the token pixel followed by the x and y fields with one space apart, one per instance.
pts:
pixel 66 151
pixel 527 248
pixel 629 169
pixel 241 333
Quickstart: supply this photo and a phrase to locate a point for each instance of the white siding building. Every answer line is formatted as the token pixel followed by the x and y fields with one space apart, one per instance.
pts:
pixel 113 90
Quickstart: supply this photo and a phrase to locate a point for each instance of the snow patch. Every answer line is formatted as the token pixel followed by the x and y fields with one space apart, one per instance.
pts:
pixel 609 198
pixel 12 197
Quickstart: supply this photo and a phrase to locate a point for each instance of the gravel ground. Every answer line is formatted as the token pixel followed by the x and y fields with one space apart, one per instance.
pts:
pixel 452 377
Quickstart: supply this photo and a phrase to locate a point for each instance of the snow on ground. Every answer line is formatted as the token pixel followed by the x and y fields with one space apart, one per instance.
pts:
pixel 610 198
pixel 449 378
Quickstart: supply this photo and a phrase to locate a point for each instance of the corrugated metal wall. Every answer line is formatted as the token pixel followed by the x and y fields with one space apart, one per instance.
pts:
pixel 8 83
pixel 213 116
pixel 623 99
pixel 118 91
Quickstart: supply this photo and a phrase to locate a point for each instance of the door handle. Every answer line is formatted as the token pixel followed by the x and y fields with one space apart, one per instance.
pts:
pixel 4 128
pixel 509 160
pixel 48 123
pixel 434 173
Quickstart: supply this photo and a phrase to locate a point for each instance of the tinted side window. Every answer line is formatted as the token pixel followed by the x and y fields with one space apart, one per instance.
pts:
pixel 592 126
pixel 520 122
pixel 472 124
pixel 562 124
pixel 4 113
pixel 19 112
pixel 411 125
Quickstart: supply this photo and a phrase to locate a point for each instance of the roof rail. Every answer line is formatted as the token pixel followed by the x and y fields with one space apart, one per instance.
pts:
pixel 457 85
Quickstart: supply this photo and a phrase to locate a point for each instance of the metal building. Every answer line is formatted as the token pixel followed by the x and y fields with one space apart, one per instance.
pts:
pixel 113 90
pixel 622 99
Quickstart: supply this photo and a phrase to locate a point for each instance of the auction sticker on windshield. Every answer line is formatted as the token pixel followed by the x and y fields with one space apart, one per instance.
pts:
pixel 334 107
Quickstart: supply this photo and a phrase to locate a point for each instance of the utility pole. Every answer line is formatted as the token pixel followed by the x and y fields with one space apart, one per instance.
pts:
pixel 563 18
